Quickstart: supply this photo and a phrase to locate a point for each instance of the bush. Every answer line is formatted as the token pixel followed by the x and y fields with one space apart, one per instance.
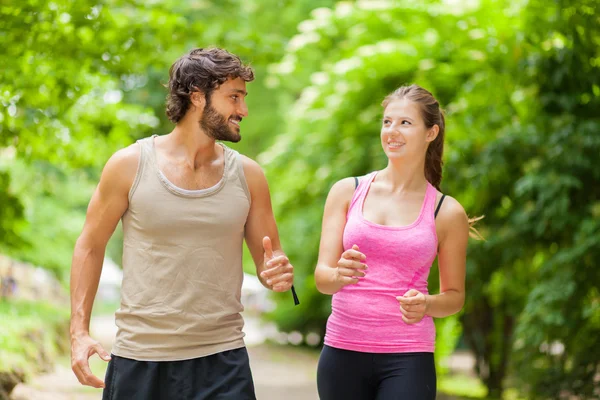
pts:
pixel 33 334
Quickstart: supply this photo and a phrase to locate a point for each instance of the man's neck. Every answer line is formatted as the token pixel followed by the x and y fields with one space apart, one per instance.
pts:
pixel 190 143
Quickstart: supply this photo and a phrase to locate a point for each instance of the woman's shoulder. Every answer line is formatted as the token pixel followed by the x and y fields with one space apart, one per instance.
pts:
pixel 343 186
pixel 348 184
pixel 451 214
pixel 450 208
pixel 342 191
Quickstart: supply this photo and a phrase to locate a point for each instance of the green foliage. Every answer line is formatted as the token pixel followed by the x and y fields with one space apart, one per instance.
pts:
pixel 60 84
pixel 344 63
pixel 563 306
pixel 56 201
pixel 463 387
pixel 33 334
pixel 11 213
pixel 521 85
pixel 521 145
pixel 82 79
pixel 536 183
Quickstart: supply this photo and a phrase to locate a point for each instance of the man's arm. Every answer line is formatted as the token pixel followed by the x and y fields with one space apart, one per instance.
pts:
pixel 108 204
pixel 272 266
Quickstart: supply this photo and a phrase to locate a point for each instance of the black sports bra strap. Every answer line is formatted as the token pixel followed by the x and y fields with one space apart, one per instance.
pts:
pixel 439 206
pixel 355 183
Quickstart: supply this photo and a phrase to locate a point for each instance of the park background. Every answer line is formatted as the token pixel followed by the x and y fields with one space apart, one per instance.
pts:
pixel 520 81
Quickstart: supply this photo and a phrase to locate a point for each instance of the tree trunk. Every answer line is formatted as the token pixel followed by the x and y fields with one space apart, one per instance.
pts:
pixel 480 327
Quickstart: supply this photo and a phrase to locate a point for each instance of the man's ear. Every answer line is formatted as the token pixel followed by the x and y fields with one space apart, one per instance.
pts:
pixel 432 133
pixel 198 99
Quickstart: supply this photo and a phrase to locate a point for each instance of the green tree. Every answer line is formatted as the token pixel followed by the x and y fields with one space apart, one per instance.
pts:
pixel 63 109
pixel 520 150
pixel 560 200
pixel 11 214
pixel 533 298
pixel 344 61
pixel 84 78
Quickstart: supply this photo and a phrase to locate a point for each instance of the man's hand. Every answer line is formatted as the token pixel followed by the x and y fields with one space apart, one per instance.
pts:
pixel 278 272
pixel 82 348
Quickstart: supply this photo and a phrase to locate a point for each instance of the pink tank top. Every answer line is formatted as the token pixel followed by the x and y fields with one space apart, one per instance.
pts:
pixel 366 316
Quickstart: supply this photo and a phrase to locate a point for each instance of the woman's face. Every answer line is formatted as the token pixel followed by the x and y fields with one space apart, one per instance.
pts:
pixel 403 131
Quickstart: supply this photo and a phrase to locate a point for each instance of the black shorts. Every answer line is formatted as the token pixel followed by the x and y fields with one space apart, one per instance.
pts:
pixel 223 376
pixel 352 375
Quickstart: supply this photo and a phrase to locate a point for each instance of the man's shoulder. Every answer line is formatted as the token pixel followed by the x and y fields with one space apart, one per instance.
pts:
pixel 247 161
pixel 122 166
pixel 125 157
pixel 251 167
pixel 255 177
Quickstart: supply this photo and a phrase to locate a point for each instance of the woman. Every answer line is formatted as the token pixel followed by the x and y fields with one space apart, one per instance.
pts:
pixel 380 236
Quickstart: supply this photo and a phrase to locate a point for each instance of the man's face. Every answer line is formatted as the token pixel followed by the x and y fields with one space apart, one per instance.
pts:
pixel 224 110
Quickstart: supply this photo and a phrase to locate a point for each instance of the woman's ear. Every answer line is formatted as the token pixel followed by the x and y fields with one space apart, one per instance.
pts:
pixel 432 133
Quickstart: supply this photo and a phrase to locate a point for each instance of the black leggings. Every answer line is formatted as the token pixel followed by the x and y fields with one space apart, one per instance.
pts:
pixel 351 375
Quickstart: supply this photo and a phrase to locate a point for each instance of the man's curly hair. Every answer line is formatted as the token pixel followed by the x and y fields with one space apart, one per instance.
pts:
pixel 201 70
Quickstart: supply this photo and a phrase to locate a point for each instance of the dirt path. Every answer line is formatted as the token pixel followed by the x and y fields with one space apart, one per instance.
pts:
pixel 280 372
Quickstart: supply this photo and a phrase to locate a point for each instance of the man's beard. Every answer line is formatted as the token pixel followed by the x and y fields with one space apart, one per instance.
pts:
pixel 216 126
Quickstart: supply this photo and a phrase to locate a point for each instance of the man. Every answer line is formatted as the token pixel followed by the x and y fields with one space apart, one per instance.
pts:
pixel 186 203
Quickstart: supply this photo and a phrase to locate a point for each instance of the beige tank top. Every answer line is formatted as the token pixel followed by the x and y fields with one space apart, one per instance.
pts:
pixel 182 264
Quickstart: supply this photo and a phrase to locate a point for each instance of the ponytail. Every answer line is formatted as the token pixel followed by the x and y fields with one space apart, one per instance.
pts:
pixel 432 115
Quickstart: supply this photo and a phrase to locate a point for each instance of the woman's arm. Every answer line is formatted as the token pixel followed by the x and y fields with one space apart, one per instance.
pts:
pixel 452 227
pixel 337 268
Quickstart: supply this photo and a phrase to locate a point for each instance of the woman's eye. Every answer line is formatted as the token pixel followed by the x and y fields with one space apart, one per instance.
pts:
pixel 408 122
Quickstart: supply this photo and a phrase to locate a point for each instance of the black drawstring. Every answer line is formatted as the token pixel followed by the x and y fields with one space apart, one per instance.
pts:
pixel 296 301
